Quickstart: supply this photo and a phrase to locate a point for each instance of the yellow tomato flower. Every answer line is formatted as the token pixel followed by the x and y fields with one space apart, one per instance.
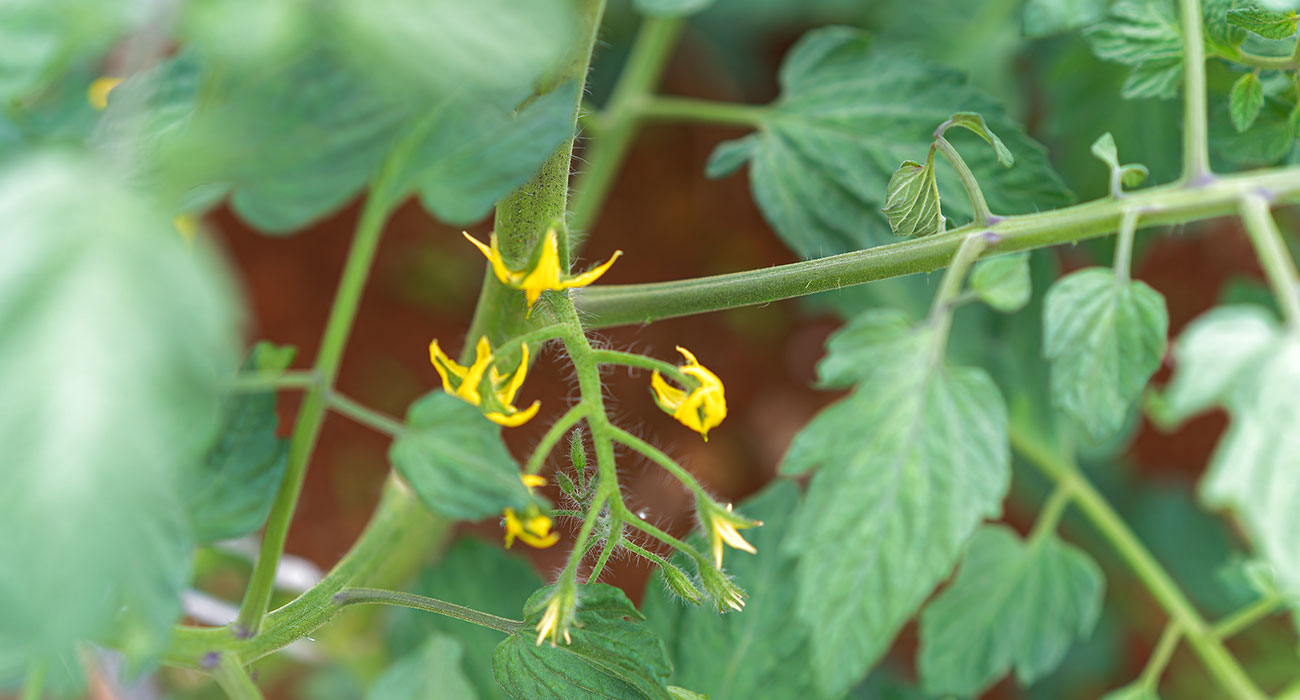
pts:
pixel 533 529
pixel 702 408
pixel 723 528
pixel 464 383
pixel 532 481
pixel 545 275
pixel 555 621
pixel 97 93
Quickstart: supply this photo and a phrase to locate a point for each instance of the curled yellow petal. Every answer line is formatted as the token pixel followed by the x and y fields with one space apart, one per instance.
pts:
pixel 545 274
pixel 97 93
pixel 493 254
pixel 533 481
pixel 724 531
pixel 700 409
pixel 516 419
pixel 585 278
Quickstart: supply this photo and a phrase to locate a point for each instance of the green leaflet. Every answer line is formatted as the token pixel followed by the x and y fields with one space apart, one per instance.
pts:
pixel 1237 357
pixel 230 493
pixel 614 654
pixel 455 460
pixel 848 114
pixel 1245 100
pixel 295 139
pixel 1045 17
pixel 974 122
pixel 912 199
pixel 908 464
pixel 43 39
pixel 1130 174
pixel 1147 36
pixel 116 339
pixel 671 8
pixel 1104 339
pixel 431 672
pixel 1134 691
pixel 1003 282
pixel 761 651
pixel 1270 24
pixel 479 575
pixel 1013 603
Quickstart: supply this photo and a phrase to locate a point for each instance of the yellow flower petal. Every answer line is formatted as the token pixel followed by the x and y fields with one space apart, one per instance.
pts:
pixel 533 481
pixel 516 419
pixel 723 527
pixel 97 93
pixel 585 278
pixel 507 394
pixel 493 254
pixel 545 274
pixel 668 396
pixel 702 408
pixel 533 530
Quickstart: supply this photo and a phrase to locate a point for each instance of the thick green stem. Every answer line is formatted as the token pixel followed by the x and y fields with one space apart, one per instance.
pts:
pixel 358 596
pixel 1196 140
pixel 968 180
pixel 1273 255
pixel 1253 60
pixel 1218 661
pixel 616 305
pixel 687 109
pixel 233 679
pixel 621 117
pixel 312 412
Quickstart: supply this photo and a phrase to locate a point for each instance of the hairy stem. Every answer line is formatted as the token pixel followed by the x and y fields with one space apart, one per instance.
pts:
pixel 1218 661
pixel 1196 140
pixel 621 117
pixel 631 359
pixel 233 679
pixel 1160 656
pixel 968 181
pixel 687 109
pixel 553 436
pixel 1273 255
pixel 605 306
pixel 1124 246
pixel 357 596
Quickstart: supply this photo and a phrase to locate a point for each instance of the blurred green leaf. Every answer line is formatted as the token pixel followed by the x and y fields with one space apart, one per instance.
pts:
pixel 679 693
pixel 1044 17
pixel 478 575
pixel 1145 35
pixel 1270 24
pixel 760 651
pixel 1245 101
pixel 1131 175
pixel 912 199
pixel 1134 691
pixel 613 653
pixel 1014 603
pixel 1104 339
pixel 1240 359
pixel 45 38
pixel 431 672
pixel 912 420
pixel 455 460
pixel 1003 282
pixel 229 494
pixel 115 339
pixel 671 8
pixel 847 116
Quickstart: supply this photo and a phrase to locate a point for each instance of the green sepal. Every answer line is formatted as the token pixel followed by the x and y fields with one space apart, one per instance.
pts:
pixel 1131 174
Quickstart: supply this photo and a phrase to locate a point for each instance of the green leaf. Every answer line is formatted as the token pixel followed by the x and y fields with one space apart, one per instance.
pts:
pixel 1014 603
pixel 43 39
pixel 431 672
pixel 730 155
pixel 1104 339
pixel 117 337
pixel 912 199
pixel 1245 100
pixel 679 693
pixel 671 8
pixel 1240 359
pixel 478 575
pixel 230 493
pixel 1132 174
pixel 455 460
pixel 613 653
pixel 761 651
pixel 1270 24
pixel 848 114
pixel 1145 35
pixel 1045 17
pixel 974 122
pixel 909 463
pixel 1003 283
